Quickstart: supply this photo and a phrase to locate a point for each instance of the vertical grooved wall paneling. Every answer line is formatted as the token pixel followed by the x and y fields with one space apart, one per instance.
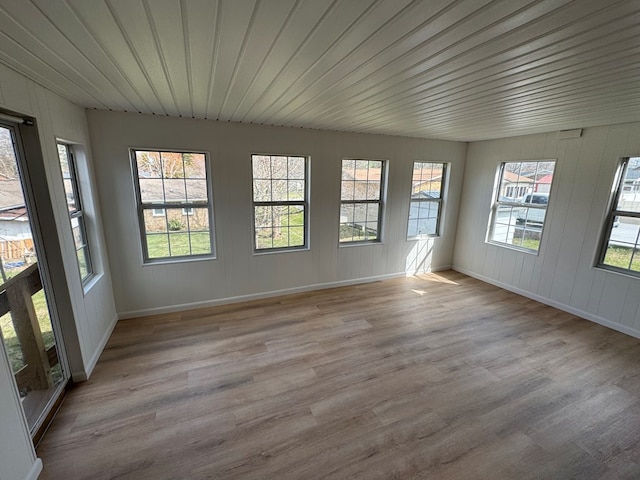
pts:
pixel 562 274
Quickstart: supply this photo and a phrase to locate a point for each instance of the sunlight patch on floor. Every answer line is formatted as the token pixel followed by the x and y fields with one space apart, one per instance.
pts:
pixel 434 277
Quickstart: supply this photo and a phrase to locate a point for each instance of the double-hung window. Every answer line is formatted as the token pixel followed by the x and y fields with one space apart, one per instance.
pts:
pixel 520 204
pixel 621 243
pixel 361 198
pixel 427 191
pixel 279 202
pixel 175 209
pixel 76 213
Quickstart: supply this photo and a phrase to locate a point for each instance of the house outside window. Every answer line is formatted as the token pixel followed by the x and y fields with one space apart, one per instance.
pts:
pixel 280 205
pixel 175 208
pixel 361 198
pixel 76 213
pixel 520 204
pixel 427 191
pixel 620 250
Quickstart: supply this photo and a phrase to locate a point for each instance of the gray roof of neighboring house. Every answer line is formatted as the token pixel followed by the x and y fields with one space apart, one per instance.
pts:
pixel 153 190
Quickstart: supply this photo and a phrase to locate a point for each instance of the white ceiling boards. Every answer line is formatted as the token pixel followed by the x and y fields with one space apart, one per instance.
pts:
pixel 457 70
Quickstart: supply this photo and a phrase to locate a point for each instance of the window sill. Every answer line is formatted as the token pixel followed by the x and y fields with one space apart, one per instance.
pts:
pixel 513 247
pixel 625 273
pixel 166 261
pixel 360 243
pixel 271 251
pixel 423 237
pixel 91 282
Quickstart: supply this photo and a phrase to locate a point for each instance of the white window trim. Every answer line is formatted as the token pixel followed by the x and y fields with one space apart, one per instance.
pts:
pixel 440 201
pixel 78 214
pixel 612 212
pixel 496 203
pixel 381 203
pixel 304 203
pixel 141 207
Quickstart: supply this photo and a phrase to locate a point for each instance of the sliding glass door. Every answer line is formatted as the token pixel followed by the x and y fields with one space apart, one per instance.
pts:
pixel 30 338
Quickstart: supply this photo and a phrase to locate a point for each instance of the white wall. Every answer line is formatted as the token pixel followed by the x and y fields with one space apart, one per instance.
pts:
pixel 237 272
pixel 17 457
pixel 562 274
pixel 93 310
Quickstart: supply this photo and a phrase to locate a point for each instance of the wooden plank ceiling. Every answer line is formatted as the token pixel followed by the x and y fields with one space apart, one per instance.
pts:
pixel 459 70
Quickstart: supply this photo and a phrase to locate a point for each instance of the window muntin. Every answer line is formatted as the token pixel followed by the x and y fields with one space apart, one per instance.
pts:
pixel 427 190
pixel 518 221
pixel 621 244
pixel 361 200
pixel 174 204
pixel 76 213
pixel 279 202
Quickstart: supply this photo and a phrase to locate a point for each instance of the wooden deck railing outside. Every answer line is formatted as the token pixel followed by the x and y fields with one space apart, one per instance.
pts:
pixel 15 297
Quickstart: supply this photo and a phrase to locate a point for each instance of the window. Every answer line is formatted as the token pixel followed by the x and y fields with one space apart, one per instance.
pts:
pixel 76 213
pixel 361 197
pixel 427 189
pixel 621 246
pixel 174 204
pixel 520 204
pixel 279 202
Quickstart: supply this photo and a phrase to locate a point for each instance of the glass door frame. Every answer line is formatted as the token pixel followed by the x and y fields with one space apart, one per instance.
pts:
pixel 32 173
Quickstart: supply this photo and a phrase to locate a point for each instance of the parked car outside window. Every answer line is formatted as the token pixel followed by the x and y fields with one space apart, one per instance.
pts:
pixel 529 215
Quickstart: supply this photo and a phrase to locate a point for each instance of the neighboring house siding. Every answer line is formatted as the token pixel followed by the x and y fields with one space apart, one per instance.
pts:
pixel 11 230
pixel 16 241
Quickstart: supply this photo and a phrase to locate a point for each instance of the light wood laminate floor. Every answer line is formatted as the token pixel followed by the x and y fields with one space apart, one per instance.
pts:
pixel 438 376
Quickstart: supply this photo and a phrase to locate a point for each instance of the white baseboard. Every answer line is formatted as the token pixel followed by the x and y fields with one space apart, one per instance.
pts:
pixel 35 471
pixel 253 296
pixel 428 270
pixel 547 301
pixel 84 375
pixel 272 293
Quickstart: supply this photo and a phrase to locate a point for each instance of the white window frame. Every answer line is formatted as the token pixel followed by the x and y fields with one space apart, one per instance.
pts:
pixel 439 200
pixel 77 213
pixel 498 202
pixel 618 189
pixel 304 203
pixel 380 202
pixel 156 206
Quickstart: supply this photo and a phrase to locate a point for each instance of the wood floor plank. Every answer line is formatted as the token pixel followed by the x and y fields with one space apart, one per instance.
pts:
pixel 436 376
